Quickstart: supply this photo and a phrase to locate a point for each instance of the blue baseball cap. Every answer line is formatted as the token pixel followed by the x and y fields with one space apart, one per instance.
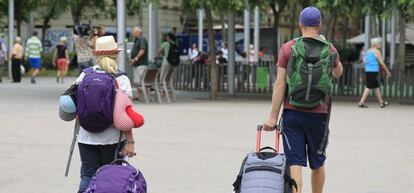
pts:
pixel 310 16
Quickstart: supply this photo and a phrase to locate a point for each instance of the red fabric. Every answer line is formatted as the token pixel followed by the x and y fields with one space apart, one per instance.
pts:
pixel 135 117
pixel 62 64
pixel 282 62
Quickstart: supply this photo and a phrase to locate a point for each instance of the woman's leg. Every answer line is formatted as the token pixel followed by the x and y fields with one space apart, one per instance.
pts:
pixel 90 158
pixel 364 96
pixel 379 96
pixel 58 75
pixel 65 71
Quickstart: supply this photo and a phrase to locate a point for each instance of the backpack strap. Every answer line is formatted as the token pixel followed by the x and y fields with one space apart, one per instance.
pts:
pixel 324 141
pixel 119 73
pixel 88 70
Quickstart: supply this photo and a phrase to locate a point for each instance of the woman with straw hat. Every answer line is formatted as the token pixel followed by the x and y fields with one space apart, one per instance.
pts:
pixel 98 149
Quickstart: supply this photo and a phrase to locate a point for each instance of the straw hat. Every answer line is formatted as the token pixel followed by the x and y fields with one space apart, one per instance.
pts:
pixel 106 45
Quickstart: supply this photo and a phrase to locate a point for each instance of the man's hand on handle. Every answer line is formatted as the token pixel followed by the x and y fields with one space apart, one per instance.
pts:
pixel 270 124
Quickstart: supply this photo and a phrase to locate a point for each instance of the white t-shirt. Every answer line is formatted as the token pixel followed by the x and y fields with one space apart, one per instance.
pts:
pixel 110 135
pixel 192 53
pixel 225 53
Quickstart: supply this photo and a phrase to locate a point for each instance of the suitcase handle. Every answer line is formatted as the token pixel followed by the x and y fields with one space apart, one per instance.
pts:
pixel 122 161
pixel 267 148
pixel 259 138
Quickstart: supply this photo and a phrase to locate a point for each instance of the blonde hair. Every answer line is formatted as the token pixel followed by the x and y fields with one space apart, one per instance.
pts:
pixel 108 63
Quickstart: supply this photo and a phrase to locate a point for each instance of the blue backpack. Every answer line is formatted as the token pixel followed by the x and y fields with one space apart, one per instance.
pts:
pixel 95 100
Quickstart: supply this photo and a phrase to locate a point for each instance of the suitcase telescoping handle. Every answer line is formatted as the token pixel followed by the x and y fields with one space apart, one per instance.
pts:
pixel 259 138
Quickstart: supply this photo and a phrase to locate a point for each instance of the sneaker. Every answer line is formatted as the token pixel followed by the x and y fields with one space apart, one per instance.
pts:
pixel 57 79
pixel 32 80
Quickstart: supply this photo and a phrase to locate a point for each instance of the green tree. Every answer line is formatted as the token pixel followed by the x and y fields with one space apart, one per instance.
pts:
pixel 405 8
pixel 277 7
pixel 79 7
pixel 22 11
pixel 211 6
pixel 52 9
pixel 385 8
pixel 334 10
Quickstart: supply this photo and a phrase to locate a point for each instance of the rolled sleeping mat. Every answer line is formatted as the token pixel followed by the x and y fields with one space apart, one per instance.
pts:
pixel 67 104
pixel 137 118
pixel 66 116
pixel 121 119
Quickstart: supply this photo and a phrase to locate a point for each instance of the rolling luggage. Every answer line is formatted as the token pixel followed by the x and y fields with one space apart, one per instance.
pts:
pixel 264 171
pixel 115 178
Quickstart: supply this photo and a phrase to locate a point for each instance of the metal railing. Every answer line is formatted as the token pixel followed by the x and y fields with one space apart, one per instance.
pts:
pixel 196 77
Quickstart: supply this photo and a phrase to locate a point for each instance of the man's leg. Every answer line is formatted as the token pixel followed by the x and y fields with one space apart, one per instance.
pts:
pixel 164 69
pixel 318 179
pixel 137 74
pixel 294 145
pixel 317 136
pixel 296 174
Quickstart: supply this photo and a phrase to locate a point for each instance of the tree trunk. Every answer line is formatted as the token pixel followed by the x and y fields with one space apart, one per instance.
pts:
pixel 19 27
pixel 305 3
pixel 345 33
pixel 223 28
pixel 275 44
pixel 401 46
pixel 76 14
pixel 212 50
pixel 331 27
pixel 44 28
pixel 293 22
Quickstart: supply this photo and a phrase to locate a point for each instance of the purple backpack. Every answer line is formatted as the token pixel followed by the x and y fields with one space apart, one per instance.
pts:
pixel 117 179
pixel 95 100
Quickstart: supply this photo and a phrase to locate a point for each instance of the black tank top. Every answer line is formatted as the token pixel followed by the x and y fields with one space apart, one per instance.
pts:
pixel 61 51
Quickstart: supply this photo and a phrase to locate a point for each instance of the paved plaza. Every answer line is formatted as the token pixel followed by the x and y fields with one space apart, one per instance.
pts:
pixel 196 146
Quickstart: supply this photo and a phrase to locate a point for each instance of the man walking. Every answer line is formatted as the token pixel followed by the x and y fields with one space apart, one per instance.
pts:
pixel 33 53
pixel 304 76
pixel 83 46
pixel 164 51
pixel 3 57
pixel 139 55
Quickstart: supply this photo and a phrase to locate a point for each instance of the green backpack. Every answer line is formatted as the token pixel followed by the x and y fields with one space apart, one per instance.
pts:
pixel 309 72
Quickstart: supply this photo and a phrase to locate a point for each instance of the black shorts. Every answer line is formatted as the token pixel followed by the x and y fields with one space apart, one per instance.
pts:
pixel 371 80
